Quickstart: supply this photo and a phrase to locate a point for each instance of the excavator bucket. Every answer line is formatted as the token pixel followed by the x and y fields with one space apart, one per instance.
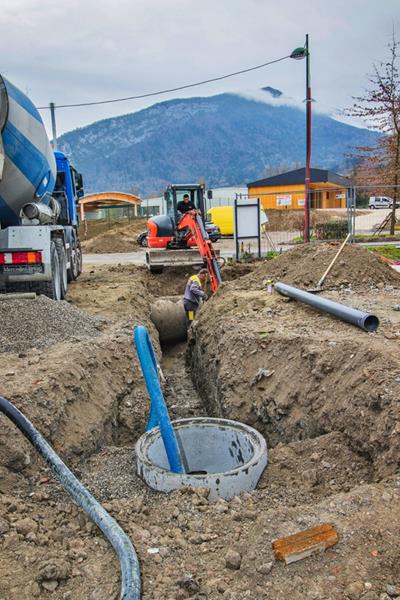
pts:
pixel 157 259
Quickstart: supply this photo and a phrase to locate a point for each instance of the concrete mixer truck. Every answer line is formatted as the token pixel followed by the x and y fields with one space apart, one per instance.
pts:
pixel 39 190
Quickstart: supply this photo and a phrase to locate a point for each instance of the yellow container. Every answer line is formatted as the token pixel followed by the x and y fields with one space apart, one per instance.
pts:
pixel 222 216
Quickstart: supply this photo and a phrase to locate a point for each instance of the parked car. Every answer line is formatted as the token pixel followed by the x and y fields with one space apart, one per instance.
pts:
pixel 213 233
pixel 142 239
pixel 381 202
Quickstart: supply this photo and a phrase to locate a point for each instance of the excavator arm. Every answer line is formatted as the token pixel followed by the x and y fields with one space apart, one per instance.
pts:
pixel 193 225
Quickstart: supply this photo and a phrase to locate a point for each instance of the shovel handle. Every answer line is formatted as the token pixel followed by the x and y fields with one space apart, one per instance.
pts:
pixel 321 281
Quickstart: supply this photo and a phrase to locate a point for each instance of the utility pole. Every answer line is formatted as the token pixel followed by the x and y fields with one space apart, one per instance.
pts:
pixel 53 125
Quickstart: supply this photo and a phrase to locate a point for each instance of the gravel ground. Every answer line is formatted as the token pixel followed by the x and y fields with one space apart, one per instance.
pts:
pixel 111 474
pixel 41 322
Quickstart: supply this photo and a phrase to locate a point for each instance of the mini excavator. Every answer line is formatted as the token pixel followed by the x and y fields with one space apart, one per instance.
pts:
pixel 180 239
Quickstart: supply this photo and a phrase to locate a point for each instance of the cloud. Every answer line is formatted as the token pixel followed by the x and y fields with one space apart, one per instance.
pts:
pixel 77 52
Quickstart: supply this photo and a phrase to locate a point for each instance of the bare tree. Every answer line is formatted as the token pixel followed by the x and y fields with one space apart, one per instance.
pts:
pixel 380 107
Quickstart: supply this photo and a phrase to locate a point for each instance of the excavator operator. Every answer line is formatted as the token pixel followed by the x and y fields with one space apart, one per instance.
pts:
pixel 194 294
pixel 185 205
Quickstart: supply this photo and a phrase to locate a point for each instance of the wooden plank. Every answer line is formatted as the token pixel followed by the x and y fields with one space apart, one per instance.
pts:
pixel 305 543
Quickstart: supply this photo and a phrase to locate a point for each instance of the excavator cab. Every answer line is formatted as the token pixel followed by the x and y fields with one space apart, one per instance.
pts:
pixel 174 196
pixel 163 229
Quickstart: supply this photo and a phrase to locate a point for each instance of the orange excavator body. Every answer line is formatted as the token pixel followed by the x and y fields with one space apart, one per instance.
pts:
pixel 175 232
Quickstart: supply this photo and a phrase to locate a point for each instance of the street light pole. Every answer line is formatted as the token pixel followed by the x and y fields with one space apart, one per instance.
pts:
pixel 308 148
pixel 298 54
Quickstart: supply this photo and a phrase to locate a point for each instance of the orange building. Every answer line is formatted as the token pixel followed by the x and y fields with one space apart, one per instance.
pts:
pixel 286 191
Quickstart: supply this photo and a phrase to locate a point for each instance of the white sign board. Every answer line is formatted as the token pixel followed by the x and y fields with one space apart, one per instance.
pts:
pixel 339 196
pixel 284 200
pixel 301 202
pixel 247 221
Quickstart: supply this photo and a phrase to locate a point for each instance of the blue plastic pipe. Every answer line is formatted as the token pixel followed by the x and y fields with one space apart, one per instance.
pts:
pixel 130 569
pixel 158 409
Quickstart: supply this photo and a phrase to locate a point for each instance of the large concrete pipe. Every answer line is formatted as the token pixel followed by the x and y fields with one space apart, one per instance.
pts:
pixel 170 320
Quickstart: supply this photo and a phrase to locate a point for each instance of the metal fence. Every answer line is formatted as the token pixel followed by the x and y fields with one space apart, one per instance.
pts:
pixel 371 213
pixel 334 212
pixel 106 218
pixel 329 215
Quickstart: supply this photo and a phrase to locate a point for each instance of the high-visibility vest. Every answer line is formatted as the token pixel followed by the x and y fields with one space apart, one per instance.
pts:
pixel 195 279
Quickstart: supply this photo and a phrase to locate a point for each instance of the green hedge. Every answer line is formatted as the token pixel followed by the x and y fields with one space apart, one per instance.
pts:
pixel 333 230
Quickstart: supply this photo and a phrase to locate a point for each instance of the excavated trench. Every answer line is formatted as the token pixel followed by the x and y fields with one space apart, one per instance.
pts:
pixel 226 370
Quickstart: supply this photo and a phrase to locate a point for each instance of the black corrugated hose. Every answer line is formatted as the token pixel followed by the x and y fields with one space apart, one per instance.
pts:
pixel 130 569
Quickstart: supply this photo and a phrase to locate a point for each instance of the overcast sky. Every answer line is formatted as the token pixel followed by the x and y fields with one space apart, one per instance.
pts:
pixel 80 51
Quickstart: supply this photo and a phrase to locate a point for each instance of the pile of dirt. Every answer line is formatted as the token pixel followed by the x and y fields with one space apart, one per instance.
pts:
pixel 41 322
pixel 293 220
pixel 121 239
pixel 123 290
pixel 89 229
pixel 304 265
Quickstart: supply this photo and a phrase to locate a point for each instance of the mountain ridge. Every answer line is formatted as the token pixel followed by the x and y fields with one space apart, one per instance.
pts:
pixel 226 139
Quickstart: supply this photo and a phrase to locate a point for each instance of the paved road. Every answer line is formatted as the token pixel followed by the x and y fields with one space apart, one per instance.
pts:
pixel 226 248
pixel 138 258
pixel 112 259
pixel 367 223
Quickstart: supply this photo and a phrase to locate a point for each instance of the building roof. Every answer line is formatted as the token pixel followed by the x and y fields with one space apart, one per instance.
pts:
pixel 297 177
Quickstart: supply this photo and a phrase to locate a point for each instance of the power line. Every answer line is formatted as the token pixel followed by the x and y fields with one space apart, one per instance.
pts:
pixel 176 89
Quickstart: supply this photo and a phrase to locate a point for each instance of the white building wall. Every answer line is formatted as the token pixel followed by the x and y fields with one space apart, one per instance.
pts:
pixel 225 196
pixel 152 206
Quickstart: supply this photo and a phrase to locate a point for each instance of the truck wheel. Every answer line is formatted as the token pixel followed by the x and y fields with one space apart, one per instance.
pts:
pixel 62 259
pixel 79 257
pixel 52 289
pixel 76 261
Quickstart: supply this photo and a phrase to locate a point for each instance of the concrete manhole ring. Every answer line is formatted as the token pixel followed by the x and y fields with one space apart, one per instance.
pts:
pixel 225 456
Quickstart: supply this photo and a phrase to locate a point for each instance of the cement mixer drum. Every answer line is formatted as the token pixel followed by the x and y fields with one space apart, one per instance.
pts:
pixel 27 163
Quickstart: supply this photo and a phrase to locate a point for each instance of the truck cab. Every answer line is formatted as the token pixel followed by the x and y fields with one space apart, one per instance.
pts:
pixel 68 190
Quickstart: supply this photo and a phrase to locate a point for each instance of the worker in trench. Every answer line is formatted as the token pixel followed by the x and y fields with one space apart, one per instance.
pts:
pixel 194 294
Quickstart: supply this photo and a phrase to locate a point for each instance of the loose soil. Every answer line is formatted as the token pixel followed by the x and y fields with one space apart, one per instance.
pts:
pixel 326 400
pixel 293 220
pixel 304 265
pixel 119 238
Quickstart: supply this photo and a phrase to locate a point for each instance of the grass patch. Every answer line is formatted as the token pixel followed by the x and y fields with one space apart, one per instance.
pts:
pixel 389 252
pixel 272 254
